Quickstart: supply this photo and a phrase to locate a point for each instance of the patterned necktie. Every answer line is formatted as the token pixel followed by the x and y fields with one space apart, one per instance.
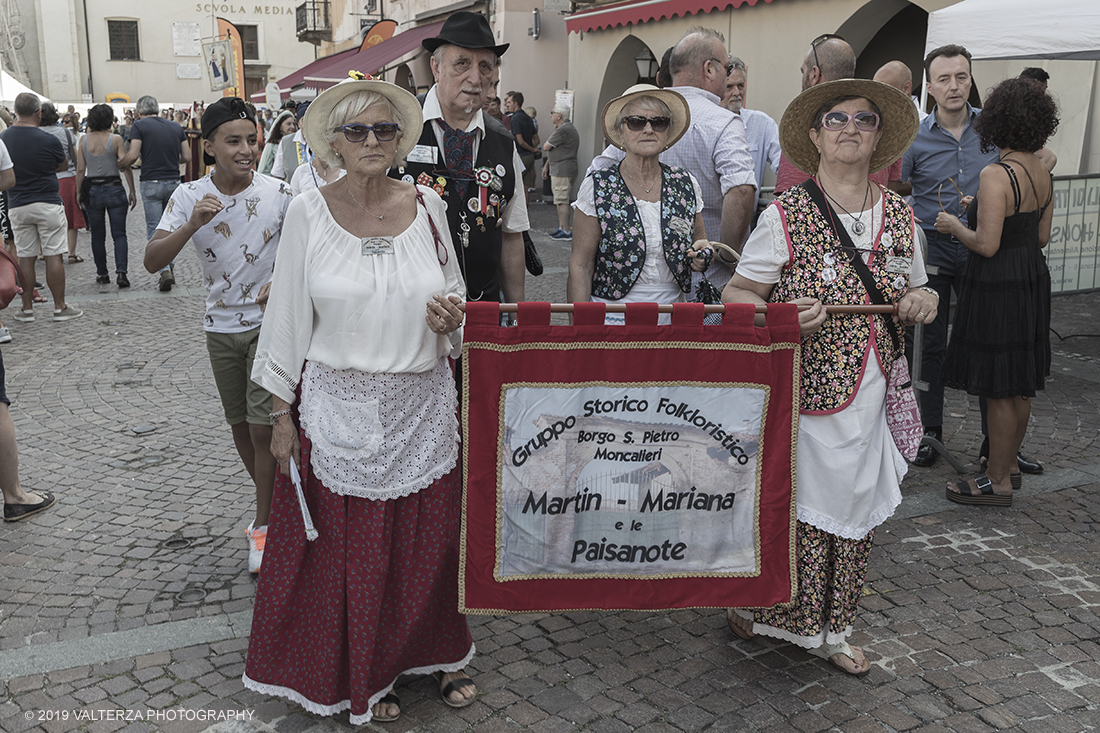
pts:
pixel 458 156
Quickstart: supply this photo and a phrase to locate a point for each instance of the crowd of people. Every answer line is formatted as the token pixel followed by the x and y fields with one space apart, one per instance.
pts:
pixel 338 261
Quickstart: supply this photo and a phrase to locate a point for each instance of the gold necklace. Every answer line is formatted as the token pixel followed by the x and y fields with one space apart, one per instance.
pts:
pixel 347 188
pixel 641 182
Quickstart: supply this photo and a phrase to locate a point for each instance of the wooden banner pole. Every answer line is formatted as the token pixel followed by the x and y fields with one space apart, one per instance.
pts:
pixel 621 308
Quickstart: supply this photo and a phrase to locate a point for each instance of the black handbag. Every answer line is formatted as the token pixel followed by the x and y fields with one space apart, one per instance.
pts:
pixel 531 256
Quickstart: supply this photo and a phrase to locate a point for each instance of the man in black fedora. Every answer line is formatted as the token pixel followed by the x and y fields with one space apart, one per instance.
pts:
pixel 473 165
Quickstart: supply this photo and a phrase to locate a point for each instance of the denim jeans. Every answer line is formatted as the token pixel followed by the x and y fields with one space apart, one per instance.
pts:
pixel 154 198
pixel 950 256
pixel 112 202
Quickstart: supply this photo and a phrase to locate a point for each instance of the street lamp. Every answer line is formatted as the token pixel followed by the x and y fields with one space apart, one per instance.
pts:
pixel 647 64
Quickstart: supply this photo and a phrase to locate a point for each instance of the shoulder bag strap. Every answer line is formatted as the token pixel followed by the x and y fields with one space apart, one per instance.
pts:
pixel 440 249
pixel 856 259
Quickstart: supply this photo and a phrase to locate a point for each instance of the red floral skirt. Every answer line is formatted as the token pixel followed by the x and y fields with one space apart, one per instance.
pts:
pixel 339 619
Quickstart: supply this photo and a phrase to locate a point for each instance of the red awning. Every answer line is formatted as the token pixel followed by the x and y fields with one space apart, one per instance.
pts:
pixel 372 59
pixel 292 81
pixel 634 12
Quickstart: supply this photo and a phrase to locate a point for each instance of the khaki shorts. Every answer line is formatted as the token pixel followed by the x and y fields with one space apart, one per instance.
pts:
pixel 561 187
pixel 231 357
pixel 39 229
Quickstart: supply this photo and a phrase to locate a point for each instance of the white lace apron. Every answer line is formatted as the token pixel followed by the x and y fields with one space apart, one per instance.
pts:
pixel 380 436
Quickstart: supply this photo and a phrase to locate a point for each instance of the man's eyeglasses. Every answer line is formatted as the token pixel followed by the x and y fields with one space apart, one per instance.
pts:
pixel 637 123
pixel 836 121
pixel 818 41
pixel 724 64
pixel 383 132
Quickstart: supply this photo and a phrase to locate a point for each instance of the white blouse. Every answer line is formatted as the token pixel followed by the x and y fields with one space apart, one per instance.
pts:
pixel 334 303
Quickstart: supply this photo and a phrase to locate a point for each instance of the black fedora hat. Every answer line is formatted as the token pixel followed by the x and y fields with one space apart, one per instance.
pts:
pixel 468 30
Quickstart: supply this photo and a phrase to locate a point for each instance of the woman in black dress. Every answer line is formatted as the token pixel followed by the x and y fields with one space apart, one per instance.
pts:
pixel 999 347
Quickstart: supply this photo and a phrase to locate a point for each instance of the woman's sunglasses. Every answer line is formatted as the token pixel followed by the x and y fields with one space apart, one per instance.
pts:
pixel 383 132
pixel 837 121
pixel 637 123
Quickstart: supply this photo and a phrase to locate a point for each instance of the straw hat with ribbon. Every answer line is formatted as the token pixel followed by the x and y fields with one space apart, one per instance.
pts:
pixel 316 121
pixel 681 113
pixel 899 121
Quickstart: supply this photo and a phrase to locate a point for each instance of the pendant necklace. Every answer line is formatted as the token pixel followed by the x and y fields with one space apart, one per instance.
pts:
pixel 857 226
pixel 641 182
pixel 364 208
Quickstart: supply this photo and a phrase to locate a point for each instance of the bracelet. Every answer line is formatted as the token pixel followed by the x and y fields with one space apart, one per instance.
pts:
pixel 927 289
pixel 277 414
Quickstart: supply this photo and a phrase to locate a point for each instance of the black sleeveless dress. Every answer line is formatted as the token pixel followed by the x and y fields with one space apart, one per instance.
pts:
pixel 1000 344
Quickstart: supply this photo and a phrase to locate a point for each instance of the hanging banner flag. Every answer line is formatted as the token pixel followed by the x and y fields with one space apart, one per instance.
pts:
pixel 219 65
pixel 227 31
pixel 628 467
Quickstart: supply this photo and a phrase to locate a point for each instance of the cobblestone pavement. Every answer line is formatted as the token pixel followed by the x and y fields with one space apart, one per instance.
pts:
pixel 975 619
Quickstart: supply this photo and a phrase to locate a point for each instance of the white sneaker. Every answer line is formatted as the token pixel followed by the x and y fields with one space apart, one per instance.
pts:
pixel 5 336
pixel 257 538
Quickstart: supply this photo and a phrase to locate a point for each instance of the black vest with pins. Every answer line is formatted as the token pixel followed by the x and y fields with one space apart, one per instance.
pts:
pixel 479 251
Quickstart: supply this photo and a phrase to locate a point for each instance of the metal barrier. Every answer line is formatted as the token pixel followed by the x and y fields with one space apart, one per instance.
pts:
pixel 1072 252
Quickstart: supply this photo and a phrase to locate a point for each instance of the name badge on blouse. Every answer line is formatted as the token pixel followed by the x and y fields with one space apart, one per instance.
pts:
pixel 423 154
pixel 900 265
pixel 680 225
pixel 377 246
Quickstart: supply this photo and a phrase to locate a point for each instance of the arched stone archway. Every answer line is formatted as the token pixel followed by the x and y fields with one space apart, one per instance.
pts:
pixel 621 74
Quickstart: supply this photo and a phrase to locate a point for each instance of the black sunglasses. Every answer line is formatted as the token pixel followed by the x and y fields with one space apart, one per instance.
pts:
pixel 637 123
pixel 818 41
pixel 383 132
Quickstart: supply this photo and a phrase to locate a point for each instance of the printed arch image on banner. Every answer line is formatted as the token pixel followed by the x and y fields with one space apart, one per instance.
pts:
pixel 630 480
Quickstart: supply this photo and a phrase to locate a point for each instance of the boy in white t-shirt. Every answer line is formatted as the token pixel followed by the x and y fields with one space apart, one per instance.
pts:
pixel 235 217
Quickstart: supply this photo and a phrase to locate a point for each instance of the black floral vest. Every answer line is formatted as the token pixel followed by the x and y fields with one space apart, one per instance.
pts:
pixel 621 252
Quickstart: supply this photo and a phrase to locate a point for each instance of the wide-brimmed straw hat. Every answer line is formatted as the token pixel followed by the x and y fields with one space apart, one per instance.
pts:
pixel 316 119
pixel 681 113
pixel 899 121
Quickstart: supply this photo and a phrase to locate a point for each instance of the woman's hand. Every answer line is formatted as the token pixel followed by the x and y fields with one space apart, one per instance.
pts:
pixel 917 306
pixel 133 200
pixel 810 319
pixel 445 314
pixel 947 223
pixel 284 443
pixel 966 201
pixel 700 255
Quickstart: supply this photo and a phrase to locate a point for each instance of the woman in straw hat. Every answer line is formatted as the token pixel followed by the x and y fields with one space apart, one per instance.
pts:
pixel 638 230
pixel 819 243
pixel 999 347
pixel 365 412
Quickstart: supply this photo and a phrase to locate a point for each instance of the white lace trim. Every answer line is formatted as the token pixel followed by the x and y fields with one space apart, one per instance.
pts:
pixel 806 642
pixel 830 525
pixel 380 436
pixel 318 709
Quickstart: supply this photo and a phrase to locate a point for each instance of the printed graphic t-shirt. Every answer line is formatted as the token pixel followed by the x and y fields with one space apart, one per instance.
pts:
pixel 237 248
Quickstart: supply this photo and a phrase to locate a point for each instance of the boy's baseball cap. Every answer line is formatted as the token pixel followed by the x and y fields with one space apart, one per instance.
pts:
pixel 224 110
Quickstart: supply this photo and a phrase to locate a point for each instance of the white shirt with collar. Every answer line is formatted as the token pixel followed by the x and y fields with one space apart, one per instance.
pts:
pixel 278 168
pixel 514 217
pixel 763 134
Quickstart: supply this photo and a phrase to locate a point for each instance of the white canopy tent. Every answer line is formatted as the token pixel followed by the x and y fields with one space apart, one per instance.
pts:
pixel 1019 29
pixel 10 87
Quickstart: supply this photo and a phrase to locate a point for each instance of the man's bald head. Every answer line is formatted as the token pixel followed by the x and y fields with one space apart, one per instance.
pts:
pixel 699 60
pixel 828 60
pixel 896 74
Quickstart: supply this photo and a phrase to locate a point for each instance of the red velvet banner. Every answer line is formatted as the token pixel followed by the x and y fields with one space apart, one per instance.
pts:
pixel 639 467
